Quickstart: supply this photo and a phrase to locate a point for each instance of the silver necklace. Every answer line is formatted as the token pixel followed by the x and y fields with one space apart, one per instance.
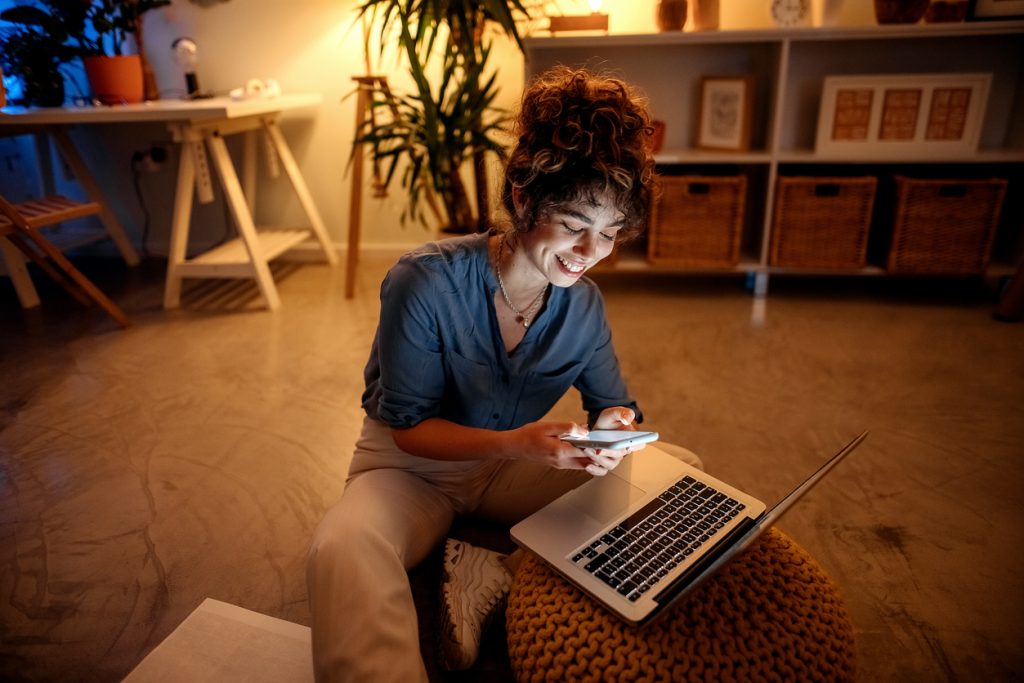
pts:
pixel 522 318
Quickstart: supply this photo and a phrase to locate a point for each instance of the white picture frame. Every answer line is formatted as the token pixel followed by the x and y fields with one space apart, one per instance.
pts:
pixel 725 110
pixel 904 115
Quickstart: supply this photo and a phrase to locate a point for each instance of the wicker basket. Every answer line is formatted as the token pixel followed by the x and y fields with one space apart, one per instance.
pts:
pixel 697 221
pixel 822 222
pixel 944 227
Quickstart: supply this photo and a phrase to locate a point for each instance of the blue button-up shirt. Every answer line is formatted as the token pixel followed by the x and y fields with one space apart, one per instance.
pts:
pixel 438 350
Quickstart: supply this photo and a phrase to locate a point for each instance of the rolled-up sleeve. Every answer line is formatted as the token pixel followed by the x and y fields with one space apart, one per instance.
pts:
pixel 410 356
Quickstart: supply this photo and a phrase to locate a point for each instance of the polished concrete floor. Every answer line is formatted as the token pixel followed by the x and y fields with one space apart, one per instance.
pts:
pixel 191 455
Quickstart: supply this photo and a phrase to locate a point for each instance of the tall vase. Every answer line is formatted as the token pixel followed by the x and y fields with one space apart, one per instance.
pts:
pixel 115 80
pixel 671 15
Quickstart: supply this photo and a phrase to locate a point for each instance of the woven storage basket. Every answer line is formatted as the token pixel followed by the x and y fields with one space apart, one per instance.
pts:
pixel 822 222
pixel 944 227
pixel 697 221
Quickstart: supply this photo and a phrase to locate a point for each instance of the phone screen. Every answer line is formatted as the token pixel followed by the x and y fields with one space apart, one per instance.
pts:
pixel 612 439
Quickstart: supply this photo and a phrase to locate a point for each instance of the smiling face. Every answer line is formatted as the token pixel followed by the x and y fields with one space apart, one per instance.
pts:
pixel 569 239
pixel 579 134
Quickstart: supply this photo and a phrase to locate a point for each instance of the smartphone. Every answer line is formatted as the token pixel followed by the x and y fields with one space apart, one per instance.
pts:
pixel 612 439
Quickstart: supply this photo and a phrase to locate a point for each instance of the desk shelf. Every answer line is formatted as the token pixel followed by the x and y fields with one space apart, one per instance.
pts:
pixel 199 128
pixel 232 258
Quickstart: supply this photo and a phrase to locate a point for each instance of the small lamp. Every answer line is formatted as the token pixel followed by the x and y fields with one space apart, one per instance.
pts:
pixel 186 54
pixel 595 21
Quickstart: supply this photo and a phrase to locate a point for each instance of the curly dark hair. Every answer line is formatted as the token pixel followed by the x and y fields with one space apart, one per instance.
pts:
pixel 580 135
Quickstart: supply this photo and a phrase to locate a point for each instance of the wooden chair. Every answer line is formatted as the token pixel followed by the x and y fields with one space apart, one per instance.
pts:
pixel 19 226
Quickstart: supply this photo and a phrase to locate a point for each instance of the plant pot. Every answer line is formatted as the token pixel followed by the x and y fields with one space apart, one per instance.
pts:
pixel 115 80
pixel 900 11
pixel 671 15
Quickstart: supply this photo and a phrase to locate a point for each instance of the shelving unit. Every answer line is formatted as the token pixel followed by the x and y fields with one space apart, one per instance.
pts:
pixel 788 67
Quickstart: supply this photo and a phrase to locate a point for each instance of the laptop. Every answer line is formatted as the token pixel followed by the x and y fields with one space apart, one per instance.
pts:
pixel 647 533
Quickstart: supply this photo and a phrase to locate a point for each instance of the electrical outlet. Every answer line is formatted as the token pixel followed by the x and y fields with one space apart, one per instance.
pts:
pixel 158 153
pixel 150 160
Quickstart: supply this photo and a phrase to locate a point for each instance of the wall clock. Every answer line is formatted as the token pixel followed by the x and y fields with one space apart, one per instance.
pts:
pixel 788 13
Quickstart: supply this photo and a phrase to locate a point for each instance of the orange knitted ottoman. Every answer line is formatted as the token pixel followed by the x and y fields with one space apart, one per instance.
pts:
pixel 769 615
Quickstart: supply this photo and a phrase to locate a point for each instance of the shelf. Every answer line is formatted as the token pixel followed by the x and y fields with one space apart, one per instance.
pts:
pixel 700 156
pixel 638 263
pixel 993 156
pixel 771 35
pixel 860 272
pixel 231 259
pixel 788 68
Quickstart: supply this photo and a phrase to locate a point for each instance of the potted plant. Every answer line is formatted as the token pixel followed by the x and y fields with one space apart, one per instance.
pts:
pixel 435 131
pixel 94 30
pixel 43 38
pixel 115 77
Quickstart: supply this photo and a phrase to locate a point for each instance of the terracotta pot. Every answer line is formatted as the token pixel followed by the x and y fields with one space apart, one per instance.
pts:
pixel 115 80
pixel 900 11
pixel 671 15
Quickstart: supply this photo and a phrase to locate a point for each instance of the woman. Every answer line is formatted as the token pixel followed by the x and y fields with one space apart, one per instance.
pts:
pixel 479 337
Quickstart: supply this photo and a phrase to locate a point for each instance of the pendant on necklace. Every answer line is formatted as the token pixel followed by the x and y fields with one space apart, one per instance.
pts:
pixel 523 321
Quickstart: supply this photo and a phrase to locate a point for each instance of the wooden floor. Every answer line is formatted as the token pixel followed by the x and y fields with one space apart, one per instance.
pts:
pixel 191 455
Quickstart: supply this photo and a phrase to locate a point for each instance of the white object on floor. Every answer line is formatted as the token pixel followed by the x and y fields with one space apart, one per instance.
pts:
pixel 223 643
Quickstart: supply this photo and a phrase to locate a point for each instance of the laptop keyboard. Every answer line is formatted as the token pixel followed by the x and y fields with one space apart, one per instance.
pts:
pixel 635 554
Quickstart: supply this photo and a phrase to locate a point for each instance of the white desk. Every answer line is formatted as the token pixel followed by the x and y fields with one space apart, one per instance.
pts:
pixel 199 126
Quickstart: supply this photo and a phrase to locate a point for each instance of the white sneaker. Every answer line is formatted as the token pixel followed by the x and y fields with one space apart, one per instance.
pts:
pixel 473 589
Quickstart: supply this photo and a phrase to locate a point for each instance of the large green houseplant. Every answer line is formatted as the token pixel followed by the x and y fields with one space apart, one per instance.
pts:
pixel 437 129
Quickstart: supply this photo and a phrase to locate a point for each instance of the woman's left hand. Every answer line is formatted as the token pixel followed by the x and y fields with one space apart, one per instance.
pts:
pixel 603 460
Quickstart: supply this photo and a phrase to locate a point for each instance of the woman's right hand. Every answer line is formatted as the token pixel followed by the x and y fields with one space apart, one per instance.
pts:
pixel 541 442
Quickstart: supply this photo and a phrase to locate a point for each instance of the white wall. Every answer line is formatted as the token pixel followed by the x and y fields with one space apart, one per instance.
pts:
pixel 311 46
pixel 307 46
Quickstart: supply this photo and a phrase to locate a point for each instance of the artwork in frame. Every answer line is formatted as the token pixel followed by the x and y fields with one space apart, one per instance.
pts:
pixel 988 10
pixel 725 111
pixel 888 116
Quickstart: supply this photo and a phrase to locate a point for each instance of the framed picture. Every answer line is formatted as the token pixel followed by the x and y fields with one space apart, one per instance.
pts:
pixel 725 110
pixel 881 116
pixel 984 10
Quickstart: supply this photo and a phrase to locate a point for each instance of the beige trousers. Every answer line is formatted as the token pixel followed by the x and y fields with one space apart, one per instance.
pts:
pixel 395 509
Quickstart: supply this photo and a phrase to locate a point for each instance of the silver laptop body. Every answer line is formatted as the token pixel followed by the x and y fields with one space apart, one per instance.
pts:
pixel 644 535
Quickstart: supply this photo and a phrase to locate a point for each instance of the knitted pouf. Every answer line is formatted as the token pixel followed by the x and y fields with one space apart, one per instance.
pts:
pixel 769 615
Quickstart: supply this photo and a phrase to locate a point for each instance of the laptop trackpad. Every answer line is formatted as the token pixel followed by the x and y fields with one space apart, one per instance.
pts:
pixel 606 499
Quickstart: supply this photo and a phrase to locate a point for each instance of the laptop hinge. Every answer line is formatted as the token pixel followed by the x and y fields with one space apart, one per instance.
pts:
pixel 685 581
